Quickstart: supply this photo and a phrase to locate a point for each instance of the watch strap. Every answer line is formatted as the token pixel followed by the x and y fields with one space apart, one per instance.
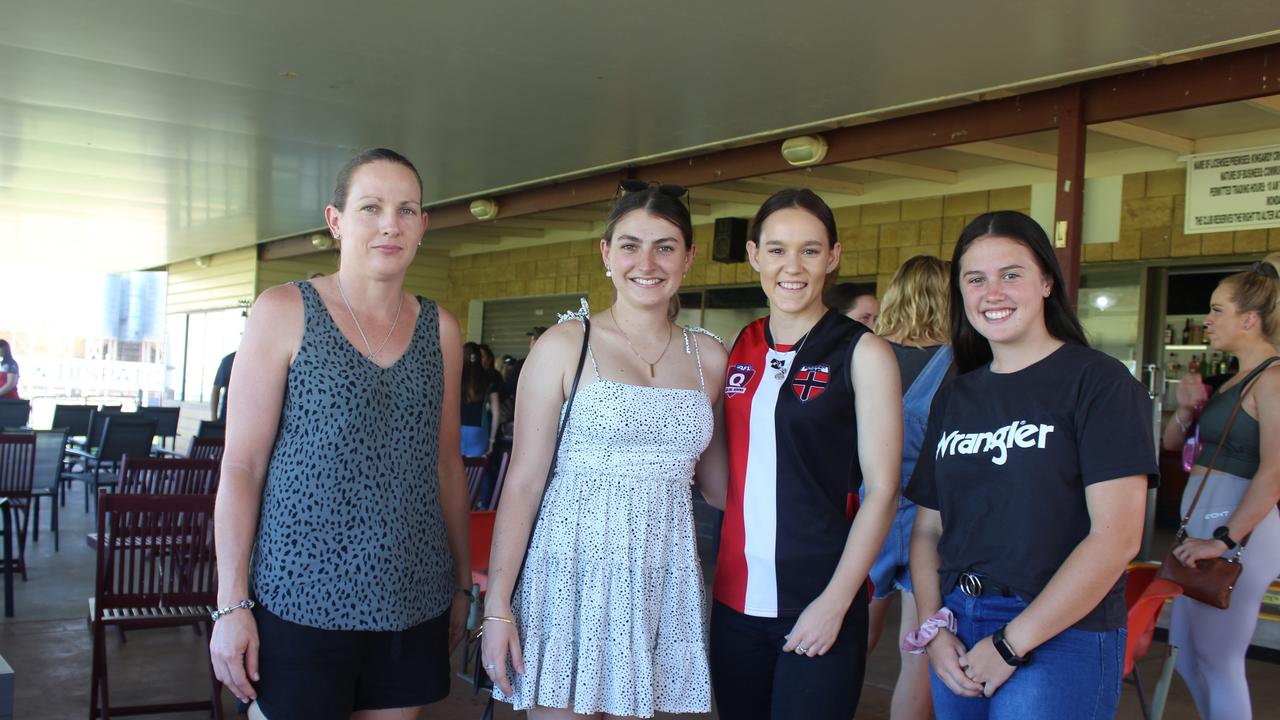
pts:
pixel 1006 650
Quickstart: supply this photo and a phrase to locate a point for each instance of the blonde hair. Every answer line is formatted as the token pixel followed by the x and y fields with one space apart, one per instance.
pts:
pixel 1258 290
pixel 915 304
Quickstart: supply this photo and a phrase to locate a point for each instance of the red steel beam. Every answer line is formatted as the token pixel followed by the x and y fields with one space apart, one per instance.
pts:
pixel 1068 213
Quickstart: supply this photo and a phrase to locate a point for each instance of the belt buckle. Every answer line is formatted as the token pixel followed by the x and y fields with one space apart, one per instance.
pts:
pixel 970 584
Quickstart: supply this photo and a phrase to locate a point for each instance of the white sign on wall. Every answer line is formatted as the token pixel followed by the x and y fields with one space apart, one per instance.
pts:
pixel 1236 190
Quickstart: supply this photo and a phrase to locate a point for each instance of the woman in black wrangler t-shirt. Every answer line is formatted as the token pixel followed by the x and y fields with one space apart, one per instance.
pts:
pixel 1031 484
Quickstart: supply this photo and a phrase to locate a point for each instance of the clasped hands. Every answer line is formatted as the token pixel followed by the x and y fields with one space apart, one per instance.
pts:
pixel 979 671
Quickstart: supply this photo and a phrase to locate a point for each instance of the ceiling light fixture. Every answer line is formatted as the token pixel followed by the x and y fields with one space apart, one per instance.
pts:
pixel 804 150
pixel 484 208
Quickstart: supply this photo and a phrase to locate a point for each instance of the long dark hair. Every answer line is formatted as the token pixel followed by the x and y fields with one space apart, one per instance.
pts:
pixel 5 353
pixel 802 198
pixel 972 350
pixel 475 379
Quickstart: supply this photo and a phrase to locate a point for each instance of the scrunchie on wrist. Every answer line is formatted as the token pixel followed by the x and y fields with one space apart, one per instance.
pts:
pixel 916 641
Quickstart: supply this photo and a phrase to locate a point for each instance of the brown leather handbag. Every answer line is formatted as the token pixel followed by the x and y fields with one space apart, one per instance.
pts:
pixel 1212 580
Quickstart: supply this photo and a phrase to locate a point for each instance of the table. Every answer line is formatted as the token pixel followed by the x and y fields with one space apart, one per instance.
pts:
pixel 6 511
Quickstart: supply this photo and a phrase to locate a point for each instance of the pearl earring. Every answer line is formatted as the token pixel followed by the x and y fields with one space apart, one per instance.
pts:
pixel 607 272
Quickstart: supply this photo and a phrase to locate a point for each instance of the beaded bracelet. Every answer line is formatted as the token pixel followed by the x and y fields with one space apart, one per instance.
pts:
pixel 246 604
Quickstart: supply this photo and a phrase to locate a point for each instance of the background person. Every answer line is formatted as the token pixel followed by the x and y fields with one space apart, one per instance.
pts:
pixel 608 613
pixel 812 408
pixel 221 388
pixel 914 322
pixel 342 511
pixel 1031 491
pixel 857 302
pixel 479 405
pixel 1239 498
pixel 8 373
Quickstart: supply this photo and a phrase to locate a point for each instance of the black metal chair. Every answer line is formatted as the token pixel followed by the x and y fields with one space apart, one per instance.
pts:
pixel 51 448
pixel 14 413
pixel 98 416
pixel 166 422
pixel 75 418
pixel 212 429
pixel 121 435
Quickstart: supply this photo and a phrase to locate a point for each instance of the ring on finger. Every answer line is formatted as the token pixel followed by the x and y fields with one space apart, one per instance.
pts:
pixel 800 650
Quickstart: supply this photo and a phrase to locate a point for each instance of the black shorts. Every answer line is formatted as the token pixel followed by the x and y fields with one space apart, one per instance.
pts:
pixel 318 674
pixel 754 680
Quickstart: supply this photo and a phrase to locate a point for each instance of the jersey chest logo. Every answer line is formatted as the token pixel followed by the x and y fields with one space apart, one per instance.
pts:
pixel 737 379
pixel 811 381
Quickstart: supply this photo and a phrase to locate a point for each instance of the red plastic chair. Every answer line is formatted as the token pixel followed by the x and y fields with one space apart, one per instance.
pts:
pixel 481 544
pixel 1145 596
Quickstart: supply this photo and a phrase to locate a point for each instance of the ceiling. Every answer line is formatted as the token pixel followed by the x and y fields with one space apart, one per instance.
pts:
pixel 140 132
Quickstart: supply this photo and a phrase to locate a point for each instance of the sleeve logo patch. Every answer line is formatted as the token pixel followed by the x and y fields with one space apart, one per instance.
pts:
pixel 737 379
pixel 811 381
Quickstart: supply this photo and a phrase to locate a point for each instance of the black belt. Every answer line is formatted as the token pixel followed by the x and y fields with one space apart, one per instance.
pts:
pixel 975 585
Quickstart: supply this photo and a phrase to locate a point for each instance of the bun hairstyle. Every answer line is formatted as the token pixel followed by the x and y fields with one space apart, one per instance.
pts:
pixel 972 349
pixel 343 184
pixel 1258 290
pixel 915 303
pixel 655 202
pixel 801 198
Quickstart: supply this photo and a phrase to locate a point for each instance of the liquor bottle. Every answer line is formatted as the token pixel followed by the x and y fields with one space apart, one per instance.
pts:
pixel 1186 332
pixel 1223 365
pixel 1173 368
pixel 1194 365
pixel 1214 363
pixel 1168 334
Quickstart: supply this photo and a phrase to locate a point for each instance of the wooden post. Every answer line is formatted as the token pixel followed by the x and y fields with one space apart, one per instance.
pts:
pixel 1069 206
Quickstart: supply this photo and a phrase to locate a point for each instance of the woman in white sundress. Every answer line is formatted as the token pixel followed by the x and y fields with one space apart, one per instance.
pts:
pixel 608 615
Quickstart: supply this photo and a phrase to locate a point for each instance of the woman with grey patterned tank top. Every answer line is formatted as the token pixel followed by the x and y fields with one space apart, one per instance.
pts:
pixel 342 519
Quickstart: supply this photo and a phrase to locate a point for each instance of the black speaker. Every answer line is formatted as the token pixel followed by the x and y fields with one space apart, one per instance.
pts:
pixel 731 240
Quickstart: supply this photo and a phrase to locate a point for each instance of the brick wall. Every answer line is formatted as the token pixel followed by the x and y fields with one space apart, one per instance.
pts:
pixel 876 238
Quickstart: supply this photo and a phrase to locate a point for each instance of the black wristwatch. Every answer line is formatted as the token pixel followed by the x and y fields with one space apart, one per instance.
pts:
pixel 1222 533
pixel 1006 650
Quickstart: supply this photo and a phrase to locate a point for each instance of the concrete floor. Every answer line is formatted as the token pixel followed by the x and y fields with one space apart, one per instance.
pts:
pixel 48 645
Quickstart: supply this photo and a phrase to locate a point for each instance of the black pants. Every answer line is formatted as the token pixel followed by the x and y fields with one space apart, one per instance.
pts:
pixel 753 678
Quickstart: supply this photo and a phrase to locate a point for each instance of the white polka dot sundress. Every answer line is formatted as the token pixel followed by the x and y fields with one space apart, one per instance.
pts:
pixel 611 603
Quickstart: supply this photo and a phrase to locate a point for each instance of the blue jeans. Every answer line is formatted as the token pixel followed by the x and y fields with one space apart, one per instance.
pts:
pixel 891 570
pixel 1074 676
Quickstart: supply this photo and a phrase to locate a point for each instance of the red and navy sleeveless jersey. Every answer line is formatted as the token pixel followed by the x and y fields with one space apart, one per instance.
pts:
pixel 793 458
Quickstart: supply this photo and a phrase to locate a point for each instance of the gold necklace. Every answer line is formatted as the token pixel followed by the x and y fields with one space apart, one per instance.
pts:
pixel 652 365
pixel 372 353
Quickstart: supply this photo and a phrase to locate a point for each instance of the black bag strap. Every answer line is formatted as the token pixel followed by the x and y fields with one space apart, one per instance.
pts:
pixel 1245 384
pixel 555 452
pixel 487 713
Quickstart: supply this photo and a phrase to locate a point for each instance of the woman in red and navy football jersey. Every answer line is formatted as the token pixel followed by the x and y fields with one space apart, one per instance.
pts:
pixel 789 623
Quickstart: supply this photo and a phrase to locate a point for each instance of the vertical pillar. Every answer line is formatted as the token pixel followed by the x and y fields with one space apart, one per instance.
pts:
pixel 1069 206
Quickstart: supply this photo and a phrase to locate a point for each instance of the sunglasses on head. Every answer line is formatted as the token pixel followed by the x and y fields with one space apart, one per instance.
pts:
pixel 673 191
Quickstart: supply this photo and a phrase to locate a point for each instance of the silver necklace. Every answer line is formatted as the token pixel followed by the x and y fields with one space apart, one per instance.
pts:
pixel 784 368
pixel 373 353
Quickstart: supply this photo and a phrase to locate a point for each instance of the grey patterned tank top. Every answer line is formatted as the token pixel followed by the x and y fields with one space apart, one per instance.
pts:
pixel 351 534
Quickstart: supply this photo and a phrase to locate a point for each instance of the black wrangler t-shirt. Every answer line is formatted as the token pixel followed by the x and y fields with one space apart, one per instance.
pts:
pixel 1006 459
